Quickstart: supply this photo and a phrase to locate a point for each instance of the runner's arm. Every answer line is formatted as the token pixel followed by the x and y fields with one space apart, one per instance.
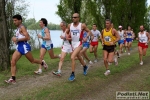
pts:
pixel 148 35
pixel 117 36
pixel 68 34
pixel 47 35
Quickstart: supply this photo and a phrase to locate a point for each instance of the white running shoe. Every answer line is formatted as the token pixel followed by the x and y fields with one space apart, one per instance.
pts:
pixel 107 72
pixel 95 60
pixel 109 63
pixel 141 63
pixel 38 72
pixel 44 64
pixel 90 62
pixel 10 80
pixel 128 53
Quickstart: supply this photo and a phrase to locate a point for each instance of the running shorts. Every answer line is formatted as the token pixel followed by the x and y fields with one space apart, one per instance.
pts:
pixel 143 45
pixel 109 49
pixel 47 47
pixel 23 47
pixel 94 43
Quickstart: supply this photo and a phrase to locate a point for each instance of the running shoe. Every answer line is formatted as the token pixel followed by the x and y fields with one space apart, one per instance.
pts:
pixel 85 70
pixel 38 72
pixel 109 63
pixel 56 73
pixel 44 64
pixel 11 81
pixel 128 53
pixel 72 77
pixel 107 72
pixel 90 62
pixel 141 63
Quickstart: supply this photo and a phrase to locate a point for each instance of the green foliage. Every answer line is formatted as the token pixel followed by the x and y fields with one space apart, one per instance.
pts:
pixel 121 12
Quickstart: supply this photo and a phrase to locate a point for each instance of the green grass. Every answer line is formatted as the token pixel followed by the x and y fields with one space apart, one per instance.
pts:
pixel 26 69
pixel 66 89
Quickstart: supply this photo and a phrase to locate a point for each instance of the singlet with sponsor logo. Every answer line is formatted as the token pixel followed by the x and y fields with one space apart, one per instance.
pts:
pixel 75 32
pixel 121 34
pixel 129 34
pixel 143 37
pixel 108 37
pixel 45 42
pixel 96 34
pixel 65 42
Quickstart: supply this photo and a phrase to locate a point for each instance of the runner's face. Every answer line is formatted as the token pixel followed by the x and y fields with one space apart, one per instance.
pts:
pixel 41 24
pixel 129 28
pixel 62 26
pixel 75 18
pixel 94 27
pixel 16 22
pixel 141 28
pixel 108 24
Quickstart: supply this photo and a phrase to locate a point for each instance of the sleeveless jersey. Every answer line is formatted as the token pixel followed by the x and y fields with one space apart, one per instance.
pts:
pixel 129 34
pixel 65 42
pixel 75 32
pixel 143 37
pixel 45 42
pixel 96 34
pixel 121 34
pixel 108 37
pixel 18 34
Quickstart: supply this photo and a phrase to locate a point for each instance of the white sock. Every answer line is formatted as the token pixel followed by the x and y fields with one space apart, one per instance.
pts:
pixel 59 71
pixel 40 70
pixel 115 59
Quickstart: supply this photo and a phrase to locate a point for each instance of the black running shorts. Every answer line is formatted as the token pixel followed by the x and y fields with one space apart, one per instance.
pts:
pixel 109 49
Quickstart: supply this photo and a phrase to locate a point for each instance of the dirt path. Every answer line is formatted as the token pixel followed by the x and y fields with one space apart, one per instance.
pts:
pixel 25 85
pixel 132 79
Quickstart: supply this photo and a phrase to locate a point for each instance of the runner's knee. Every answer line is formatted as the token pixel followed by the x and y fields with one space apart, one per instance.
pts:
pixel 13 63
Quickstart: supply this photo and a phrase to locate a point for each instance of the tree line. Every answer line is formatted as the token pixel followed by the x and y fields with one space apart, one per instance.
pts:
pixel 121 12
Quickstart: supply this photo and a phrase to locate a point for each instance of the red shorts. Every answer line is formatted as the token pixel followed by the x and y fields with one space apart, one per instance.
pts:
pixel 124 41
pixel 142 45
pixel 94 43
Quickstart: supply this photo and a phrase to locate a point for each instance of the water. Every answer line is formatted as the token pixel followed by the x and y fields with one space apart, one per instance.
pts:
pixel 55 37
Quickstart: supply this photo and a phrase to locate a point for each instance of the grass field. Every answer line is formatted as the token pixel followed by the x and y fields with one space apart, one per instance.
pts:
pixel 64 89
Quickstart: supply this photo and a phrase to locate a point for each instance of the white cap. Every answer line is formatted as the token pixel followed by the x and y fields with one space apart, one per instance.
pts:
pixel 120 26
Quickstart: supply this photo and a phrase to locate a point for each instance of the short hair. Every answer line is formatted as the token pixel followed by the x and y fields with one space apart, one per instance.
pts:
pixel 95 25
pixel 108 20
pixel 19 17
pixel 44 21
pixel 64 23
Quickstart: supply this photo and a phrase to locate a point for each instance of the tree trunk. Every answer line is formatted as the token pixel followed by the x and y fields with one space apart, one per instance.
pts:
pixel 4 39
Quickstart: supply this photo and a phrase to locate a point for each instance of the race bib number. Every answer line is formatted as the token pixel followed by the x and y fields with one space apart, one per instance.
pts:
pixel 107 39
pixel 142 40
pixel 129 36
pixel 75 33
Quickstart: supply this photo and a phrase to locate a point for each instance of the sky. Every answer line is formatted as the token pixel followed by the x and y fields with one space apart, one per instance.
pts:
pixel 46 9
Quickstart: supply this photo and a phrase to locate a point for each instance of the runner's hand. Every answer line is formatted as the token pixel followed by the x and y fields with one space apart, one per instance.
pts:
pixel 14 39
pixel 39 36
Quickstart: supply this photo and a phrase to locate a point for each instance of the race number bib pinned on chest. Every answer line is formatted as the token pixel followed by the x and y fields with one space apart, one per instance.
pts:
pixel 107 39
pixel 129 36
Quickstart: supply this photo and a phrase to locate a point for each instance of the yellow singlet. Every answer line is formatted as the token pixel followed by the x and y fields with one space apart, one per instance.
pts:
pixel 108 37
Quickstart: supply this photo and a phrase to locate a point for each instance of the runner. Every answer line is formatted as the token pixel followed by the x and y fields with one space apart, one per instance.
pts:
pixel 47 44
pixel 66 48
pixel 144 38
pixel 121 41
pixel 129 38
pixel 86 45
pixel 109 38
pixel 94 42
pixel 23 48
pixel 76 31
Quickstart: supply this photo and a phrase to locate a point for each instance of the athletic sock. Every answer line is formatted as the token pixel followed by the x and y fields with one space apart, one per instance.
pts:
pixel 13 77
pixel 72 73
pixel 59 71
pixel 40 70
pixel 42 63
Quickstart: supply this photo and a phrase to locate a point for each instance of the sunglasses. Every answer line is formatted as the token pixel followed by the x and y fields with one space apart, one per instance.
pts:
pixel 74 17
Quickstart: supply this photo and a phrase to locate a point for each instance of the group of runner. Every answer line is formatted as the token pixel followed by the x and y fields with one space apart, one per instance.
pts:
pixel 77 38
